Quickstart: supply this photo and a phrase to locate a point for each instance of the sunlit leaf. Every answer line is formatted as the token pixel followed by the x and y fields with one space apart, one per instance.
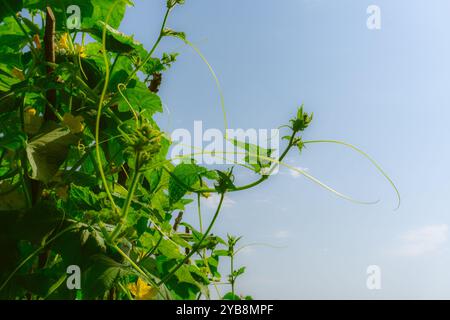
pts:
pixel 48 151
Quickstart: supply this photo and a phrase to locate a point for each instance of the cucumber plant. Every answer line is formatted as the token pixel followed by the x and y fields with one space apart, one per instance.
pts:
pixel 85 177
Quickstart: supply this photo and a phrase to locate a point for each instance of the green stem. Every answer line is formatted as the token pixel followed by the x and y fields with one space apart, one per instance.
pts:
pixel 80 162
pixel 199 212
pixel 196 248
pixel 23 162
pixel 241 188
pixel 375 164
pixel 126 291
pixel 130 195
pixel 152 250
pixel 147 58
pixel 114 63
pixel 26 188
pixel 136 267
pixel 131 191
pixel 29 39
pixel 99 113
pixel 232 280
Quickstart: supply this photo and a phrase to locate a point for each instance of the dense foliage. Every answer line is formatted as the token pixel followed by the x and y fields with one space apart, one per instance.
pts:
pixel 85 178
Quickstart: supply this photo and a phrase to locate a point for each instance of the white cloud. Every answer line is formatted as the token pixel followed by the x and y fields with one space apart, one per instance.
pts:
pixel 213 201
pixel 282 234
pixel 424 240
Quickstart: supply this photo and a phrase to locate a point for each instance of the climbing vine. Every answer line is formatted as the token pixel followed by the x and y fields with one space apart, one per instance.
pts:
pixel 85 177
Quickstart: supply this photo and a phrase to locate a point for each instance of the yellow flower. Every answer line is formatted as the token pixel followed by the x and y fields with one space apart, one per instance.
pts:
pixel 80 50
pixel 64 42
pixel 30 112
pixel 75 124
pixel 142 291
pixel 32 121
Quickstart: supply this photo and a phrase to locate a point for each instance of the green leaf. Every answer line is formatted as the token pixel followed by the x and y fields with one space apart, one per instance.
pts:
pixel 169 250
pixel 212 264
pixel 167 32
pixel 122 69
pixel 9 7
pixel 185 175
pixel 116 41
pixel 12 38
pixel 302 121
pixel 103 274
pixel 78 245
pixel 231 296
pixel 253 151
pixel 31 25
pixel 141 99
pixel 82 198
pixel 180 241
pixel 225 181
pixel 254 154
pixel 238 272
pixel 48 151
pixel 153 65
pixel 222 253
pixel 92 69
pixel 172 3
pixel 91 11
pixel 195 236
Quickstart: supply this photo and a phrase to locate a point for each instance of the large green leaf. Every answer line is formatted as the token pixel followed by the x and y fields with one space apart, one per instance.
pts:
pixel 116 41
pixel 6 82
pixel 48 151
pixel 183 177
pixel 12 38
pixel 255 155
pixel 9 7
pixel 92 69
pixel 141 99
pixel 79 245
pixel 169 249
pixel 91 11
pixel 82 198
pixel 122 70
pixel 102 276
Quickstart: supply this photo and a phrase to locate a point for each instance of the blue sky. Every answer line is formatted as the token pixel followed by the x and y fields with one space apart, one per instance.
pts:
pixel 386 91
